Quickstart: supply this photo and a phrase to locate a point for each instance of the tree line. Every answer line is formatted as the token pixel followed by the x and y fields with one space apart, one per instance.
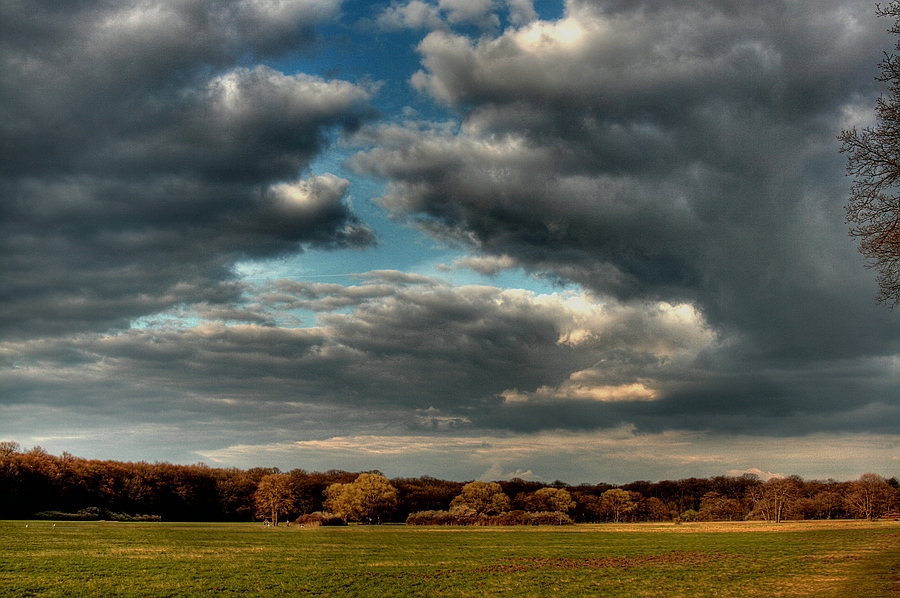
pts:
pixel 34 483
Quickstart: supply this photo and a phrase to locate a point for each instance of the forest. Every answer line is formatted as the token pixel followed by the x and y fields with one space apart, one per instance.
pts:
pixel 36 484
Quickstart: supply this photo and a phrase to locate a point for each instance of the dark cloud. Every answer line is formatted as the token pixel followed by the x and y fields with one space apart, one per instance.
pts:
pixel 678 151
pixel 426 358
pixel 419 347
pixel 677 159
pixel 139 162
pixel 710 134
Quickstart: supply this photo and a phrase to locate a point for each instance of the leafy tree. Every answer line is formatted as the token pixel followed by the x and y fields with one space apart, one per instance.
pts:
pixel 274 496
pixel 873 159
pixel 481 499
pixel 377 496
pixel 370 497
pixel 689 515
pixel 617 503
pixel 311 487
pixel 547 499
pixel 340 500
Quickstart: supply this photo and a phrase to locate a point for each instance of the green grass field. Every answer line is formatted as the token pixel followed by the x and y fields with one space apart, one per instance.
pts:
pixel 738 559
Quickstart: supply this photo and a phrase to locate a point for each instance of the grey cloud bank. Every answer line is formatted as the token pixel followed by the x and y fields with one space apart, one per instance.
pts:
pixel 138 155
pixel 401 347
pixel 675 160
pixel 675 151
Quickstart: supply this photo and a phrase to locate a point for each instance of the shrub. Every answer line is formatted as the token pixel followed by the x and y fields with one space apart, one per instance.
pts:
pixel 689 515
pixel 320 519
pixel 432 518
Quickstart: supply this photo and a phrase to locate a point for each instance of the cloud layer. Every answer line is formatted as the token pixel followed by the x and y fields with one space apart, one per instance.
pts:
pixel 438 353
pixel 424 355
pixel 675 151
pixel 672 165
pixel 140 158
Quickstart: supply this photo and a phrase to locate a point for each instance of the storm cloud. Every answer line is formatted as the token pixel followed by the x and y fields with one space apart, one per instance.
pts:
pixel 674 151
pixel 402 347
pixel 144 153
pixel 661 179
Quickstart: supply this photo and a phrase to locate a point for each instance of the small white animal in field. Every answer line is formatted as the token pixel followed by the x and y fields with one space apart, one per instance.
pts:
pixel 26 525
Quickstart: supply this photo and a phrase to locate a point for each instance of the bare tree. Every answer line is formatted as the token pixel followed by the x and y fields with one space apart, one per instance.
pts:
pixel 873 159
pixel 772 499
pixel 869 496
pixel 8 447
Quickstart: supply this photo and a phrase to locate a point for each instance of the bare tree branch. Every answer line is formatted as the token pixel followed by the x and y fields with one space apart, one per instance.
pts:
pixel 873 159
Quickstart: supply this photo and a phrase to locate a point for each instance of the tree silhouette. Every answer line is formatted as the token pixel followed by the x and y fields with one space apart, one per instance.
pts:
pixel 873 159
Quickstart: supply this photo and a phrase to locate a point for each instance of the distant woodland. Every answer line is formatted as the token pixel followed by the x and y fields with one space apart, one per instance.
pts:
pixel 36 484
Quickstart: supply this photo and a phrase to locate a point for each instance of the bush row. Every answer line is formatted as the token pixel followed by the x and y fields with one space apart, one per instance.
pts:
pixel 507 518
pixel 94 514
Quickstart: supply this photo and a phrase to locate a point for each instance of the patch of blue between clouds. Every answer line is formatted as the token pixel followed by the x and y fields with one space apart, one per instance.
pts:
pixel 387 59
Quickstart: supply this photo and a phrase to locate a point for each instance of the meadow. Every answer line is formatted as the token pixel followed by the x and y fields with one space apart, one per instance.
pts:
pixel 695 559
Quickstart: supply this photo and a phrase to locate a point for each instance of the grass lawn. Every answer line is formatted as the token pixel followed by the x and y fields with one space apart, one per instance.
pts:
pixel 703 559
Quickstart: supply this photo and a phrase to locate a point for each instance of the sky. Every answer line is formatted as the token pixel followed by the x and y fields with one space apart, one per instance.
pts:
pixel 589 241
